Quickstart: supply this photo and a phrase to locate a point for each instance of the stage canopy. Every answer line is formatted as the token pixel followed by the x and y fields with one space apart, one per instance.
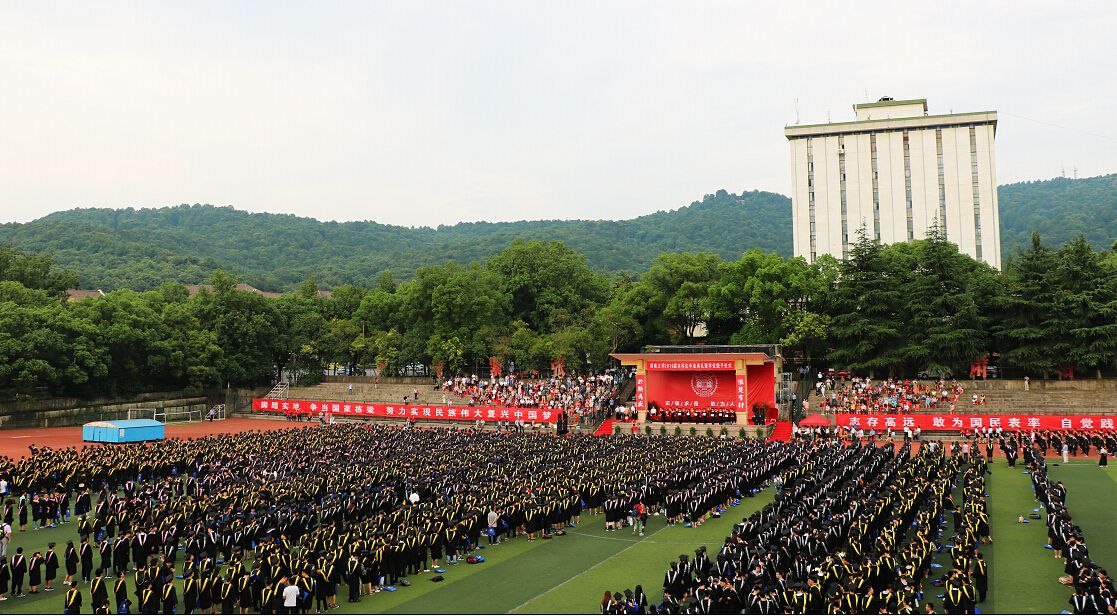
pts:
pixel 814 421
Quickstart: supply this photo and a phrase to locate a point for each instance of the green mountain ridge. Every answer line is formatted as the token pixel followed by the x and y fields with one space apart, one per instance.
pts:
pixel 142 248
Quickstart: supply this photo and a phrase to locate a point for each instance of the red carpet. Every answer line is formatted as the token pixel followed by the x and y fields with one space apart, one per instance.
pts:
pixel 606 428
pixel 782 432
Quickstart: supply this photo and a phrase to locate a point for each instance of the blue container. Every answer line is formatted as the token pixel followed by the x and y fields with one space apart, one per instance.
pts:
pixel 123 431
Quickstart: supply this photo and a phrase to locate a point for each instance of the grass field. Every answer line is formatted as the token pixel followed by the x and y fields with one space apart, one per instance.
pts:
pixel 569 574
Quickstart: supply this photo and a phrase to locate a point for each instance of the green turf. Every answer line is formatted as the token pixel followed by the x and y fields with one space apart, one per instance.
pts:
pixel 1092 501
pixel 1023 575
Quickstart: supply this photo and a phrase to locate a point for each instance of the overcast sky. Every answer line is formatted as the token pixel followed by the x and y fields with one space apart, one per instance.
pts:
pixel 423 113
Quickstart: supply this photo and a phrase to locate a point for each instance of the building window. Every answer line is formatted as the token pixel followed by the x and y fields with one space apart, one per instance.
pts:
pixel 810 195
pixel 876 186
pixel 976 193
pixel 842 182
pixel 942 181
pixel 907 188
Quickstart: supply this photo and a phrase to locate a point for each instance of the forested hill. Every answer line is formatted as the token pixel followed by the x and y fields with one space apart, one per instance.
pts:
pixel 139 249
pixel 1060 209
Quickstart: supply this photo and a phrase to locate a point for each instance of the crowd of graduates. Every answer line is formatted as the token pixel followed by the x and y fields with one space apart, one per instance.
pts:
pixel 245 518
pixel 853 529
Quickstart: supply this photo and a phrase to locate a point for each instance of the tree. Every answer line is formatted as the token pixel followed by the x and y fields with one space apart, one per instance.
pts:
pixel 1027 338
pixel 759 297
pixel 1086 297
pixel 866 328
pixel 345 302
pixel 674 291
pixel 246 326
pixel 550 285
pixel 299 335
pixel 448 352
pixel 808 333
pixel 35 272
pixel 944 328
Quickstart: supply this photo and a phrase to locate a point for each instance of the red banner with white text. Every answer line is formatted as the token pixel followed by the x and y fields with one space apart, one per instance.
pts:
pixel 670 389
pixel 954 423
pixel 424 412
pixel 641 392
pixel 689 366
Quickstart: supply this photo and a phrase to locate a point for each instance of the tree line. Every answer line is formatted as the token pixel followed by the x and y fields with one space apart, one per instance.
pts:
pixel 898 309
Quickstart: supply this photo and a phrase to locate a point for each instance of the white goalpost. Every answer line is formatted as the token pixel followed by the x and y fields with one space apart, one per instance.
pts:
pixel 179 414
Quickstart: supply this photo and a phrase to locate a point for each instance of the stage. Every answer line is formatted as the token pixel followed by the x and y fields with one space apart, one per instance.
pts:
pixel 681 380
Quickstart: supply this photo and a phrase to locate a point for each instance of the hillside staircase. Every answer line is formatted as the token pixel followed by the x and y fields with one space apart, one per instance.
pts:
pixel 384 393
pixel 1053 397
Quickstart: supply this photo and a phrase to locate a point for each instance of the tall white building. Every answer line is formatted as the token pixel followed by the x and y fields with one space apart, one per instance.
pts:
pixel 895 170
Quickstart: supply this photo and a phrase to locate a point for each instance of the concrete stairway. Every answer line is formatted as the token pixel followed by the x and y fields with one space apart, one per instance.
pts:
pixel 1077 397
pixel 367 392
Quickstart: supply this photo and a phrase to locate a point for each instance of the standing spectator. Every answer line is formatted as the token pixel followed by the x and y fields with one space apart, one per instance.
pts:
pixel 291 595
pixel 5 538
pixel 492 519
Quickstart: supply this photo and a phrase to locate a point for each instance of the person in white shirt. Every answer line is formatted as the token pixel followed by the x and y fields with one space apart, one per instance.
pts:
pixel 290 597
pixel 5 538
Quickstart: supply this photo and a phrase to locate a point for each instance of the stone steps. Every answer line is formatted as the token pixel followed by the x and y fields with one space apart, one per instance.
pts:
pixel 364 392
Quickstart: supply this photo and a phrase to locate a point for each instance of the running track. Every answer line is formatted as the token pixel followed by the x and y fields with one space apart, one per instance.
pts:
pixel 13 443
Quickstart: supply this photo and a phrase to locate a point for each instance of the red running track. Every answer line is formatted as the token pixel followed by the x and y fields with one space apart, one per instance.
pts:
pixel 14 443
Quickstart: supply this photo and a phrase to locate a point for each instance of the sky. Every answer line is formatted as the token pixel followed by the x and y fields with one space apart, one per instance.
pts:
pixel 424 113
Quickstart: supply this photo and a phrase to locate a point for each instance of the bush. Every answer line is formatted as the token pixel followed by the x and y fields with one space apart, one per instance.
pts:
pixel 678 431
pixel 741 433
pixel 724 431
pixel 648 430
pixel 663 429
pixel 709 431
pixel 693 430
pixel 616 429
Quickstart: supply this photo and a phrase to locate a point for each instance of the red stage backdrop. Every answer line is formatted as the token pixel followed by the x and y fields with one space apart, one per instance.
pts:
pixel 685 388
pixel 399 411
pixel 972 422
pixel 762 385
